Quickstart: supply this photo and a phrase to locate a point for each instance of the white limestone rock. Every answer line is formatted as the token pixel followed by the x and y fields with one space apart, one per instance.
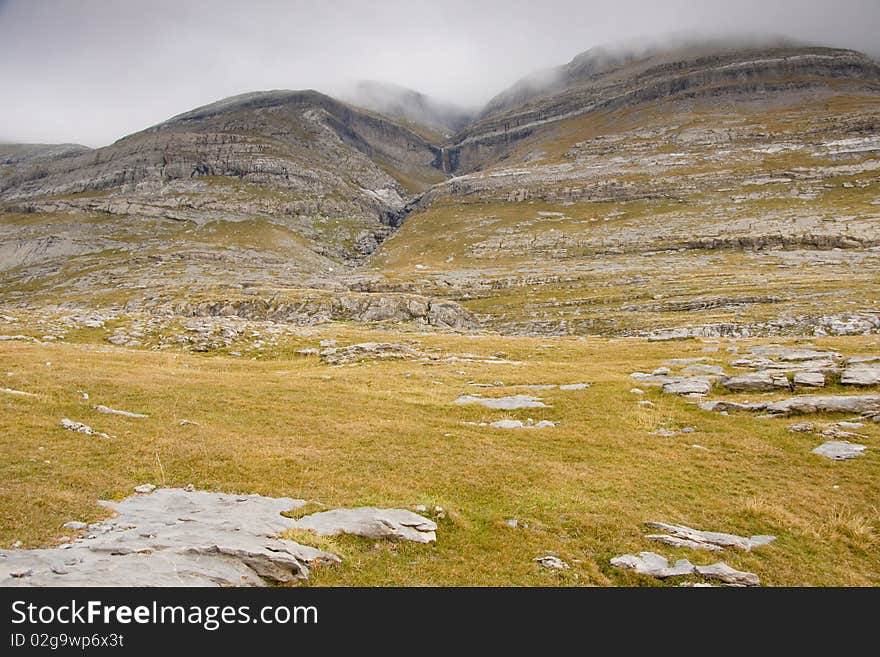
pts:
pixel 370 522
pixel 839 450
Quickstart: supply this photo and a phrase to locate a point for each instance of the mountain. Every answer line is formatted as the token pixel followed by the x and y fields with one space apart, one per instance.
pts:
pixel 705 185
pixel 411 107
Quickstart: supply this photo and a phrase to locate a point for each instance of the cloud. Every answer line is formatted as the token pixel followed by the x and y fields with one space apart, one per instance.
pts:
pixel 92 71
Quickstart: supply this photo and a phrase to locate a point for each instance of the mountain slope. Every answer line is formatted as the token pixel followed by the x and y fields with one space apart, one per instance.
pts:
pixel 734 193
pixel 715 185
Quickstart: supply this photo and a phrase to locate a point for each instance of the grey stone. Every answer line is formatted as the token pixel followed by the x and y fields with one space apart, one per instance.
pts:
pixel 75 525
pixel 809 379
pixel 825 404
pixel 839 450
pixel 654 565
pixel 503 403
pixel 715 539
pixel 112 411
pixel 18 393
pixel 651 563
pixel 79 427
pixel 145 488
pixel 861 374
pixel 692 387
pixel 755 382
pixel 552 562
pixel 723 573
pixel 801 427
pixel 703 369
pixel 175 538
pixel 519 424
pixel 367 351
pixel 574 386
pixel 370 522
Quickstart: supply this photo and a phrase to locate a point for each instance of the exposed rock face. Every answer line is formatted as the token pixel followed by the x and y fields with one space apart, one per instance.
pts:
pixel 367 351
pixel 314 308
pixel 599 80
pixel 609 185
pixel 176 537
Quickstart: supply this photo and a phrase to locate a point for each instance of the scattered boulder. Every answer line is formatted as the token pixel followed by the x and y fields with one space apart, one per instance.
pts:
pixel 574 386
pixel 145 489
pixel 370 522
pixel 839 450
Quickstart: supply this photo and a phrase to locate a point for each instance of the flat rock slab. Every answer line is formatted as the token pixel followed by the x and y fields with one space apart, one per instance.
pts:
pixel 861 374
pixel 703 369
pixel 810 379
pixel 519 424
pixel 785 353
pixel 825 404
pixel 682 536
pixel 503 403
pixel 654 565
pixel 176 537
pixel 370 522
pixel 756 382
pixel 691 387
pixel 839 450
pixel 867 405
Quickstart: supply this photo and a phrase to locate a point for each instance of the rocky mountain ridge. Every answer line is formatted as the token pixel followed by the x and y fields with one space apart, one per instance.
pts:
pixel 679 164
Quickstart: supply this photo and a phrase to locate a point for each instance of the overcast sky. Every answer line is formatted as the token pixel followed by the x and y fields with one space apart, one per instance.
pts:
pixel 91 71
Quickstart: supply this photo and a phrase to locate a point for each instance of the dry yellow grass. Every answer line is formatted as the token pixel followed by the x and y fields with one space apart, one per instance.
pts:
pixel 388 434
